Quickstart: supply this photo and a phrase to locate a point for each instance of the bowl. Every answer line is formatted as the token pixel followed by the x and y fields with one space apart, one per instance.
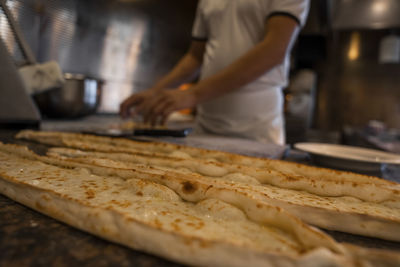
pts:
pixel 78 97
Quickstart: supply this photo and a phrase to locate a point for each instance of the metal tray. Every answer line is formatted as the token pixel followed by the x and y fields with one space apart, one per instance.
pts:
pixel 142 132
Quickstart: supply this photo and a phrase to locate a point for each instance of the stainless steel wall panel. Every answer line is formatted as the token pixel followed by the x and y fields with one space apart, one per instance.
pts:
pixel 354 90
pixel 365 14
pixel 128 44
pixel 23 16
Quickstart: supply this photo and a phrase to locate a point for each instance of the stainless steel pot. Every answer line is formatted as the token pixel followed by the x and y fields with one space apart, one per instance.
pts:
pixel 78 97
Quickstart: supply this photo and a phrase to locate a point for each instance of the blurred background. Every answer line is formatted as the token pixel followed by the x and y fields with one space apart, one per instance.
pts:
pixel 345 72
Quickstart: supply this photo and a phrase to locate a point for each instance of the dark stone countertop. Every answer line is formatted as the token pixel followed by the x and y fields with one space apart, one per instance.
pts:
pixel 28 238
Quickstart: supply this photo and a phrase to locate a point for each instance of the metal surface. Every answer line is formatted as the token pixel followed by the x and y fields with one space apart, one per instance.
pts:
pixel 354 88
pixel 365 14
pixel 26 50
pixel 79 96
pixel 15 104
pixel 129 44
pixel 318 19
pixel 8 36
pixel 115 132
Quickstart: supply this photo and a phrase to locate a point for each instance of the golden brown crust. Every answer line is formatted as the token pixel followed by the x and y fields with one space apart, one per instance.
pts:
pixel 36 184
pixel 69 191
pixel 326 198
pixel 334 213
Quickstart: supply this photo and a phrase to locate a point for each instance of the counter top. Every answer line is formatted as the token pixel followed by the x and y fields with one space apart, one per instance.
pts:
pixel 99 123
pixel 28 238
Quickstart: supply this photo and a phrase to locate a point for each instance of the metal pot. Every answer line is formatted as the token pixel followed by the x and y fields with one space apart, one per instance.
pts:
pixel 78 97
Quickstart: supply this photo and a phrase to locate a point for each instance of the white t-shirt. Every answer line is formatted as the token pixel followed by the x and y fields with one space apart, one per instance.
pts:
pixel 231 28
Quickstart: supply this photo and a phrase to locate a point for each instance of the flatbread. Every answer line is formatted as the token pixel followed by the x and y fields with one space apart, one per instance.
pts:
pixel 216 226
pixel 343 213
pixel 385 193
pixel 329 199
pixel 108 144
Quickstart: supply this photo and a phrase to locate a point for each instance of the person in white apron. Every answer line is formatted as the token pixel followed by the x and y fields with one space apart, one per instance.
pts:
pixel 241 48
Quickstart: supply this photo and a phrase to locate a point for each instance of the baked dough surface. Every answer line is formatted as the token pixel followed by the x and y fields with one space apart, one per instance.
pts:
pixel 329 199
pixel 180 205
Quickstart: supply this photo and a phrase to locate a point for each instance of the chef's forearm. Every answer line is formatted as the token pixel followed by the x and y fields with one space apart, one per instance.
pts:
pixel 263 57
pixel 186 69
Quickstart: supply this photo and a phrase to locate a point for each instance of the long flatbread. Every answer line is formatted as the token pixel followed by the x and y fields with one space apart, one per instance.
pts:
pixel 221 228
pixel 385 193
pixel 346 202
pixel 109 144
pixel 343 213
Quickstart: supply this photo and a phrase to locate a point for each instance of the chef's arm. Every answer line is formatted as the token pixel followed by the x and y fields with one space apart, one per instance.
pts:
pixel 186 69
pixel 280 33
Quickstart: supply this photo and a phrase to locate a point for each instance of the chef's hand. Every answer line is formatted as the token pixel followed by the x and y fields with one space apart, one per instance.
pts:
pixel 156 106
pixel 127 107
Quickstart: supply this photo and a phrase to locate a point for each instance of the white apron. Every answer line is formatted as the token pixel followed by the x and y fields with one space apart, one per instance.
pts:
pixel 256 115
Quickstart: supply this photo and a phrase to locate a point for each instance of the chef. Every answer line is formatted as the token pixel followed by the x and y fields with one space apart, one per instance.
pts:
pixel 241 49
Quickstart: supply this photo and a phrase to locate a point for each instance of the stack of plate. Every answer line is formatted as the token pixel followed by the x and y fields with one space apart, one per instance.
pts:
pixel 350 158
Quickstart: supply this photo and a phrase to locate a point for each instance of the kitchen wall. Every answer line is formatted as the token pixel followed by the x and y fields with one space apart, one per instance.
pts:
pixel 127 43
pixel 342 42
pixel 354 86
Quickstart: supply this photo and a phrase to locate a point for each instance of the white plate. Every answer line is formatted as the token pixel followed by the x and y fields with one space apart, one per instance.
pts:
pixel 348 157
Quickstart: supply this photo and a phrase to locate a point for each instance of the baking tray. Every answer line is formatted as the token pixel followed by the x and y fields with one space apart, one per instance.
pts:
pixel 183 132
